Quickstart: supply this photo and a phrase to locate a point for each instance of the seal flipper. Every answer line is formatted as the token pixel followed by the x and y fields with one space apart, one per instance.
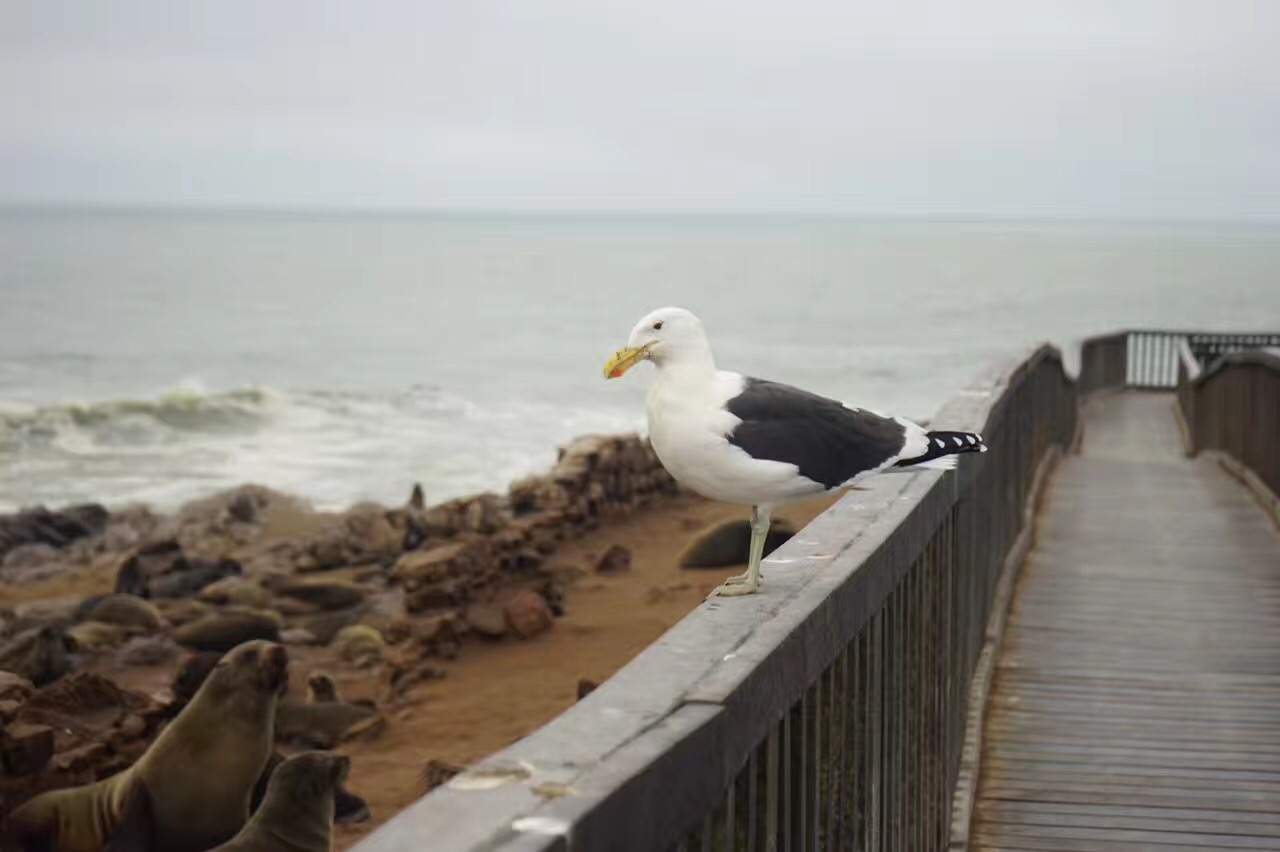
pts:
pixel 136 831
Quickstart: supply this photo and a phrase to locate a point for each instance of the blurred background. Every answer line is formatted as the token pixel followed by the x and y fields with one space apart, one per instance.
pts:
pixel 340 248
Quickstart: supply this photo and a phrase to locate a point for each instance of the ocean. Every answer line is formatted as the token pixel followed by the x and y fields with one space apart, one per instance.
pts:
pixel 159 357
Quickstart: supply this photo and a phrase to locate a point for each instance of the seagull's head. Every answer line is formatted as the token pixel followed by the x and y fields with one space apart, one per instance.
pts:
pixel 663 336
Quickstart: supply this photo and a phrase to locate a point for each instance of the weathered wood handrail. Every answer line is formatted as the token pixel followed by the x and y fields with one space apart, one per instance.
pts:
pixel 1234 406
pixel 1149 358
pixel 827 712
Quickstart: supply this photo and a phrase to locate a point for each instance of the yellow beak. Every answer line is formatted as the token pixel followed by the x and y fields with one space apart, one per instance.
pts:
pixel 624 359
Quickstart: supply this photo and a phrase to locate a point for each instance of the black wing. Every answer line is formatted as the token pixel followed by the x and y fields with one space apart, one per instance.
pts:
pixel 828 442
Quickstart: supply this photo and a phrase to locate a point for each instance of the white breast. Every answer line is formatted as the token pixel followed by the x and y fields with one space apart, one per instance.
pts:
pixel 688 427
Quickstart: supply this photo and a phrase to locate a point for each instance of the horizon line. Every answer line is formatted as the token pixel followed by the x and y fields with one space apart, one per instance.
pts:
pixel 283 211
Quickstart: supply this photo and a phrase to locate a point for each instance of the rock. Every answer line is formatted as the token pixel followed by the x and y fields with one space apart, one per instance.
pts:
pixel 92 636
pixel 25 749
pixel 431 566
pixel 487 621
pixel 298 636
pixel 483 514
pixel 236 591
pixel 328 595
pixel 87 705
pixel 616 560
pixel 404 676
pixel 417 499
pixel 727 544
pixel 191 577
pixel 80 758
pixel 358 642
pixel 39 655
pixel 528 615
pixel 148 651
pixel 125 611
pixel 242 508
pixel 438 772
pixel 223 631
pixel 15 687
pixel 56 529
pixel 586 687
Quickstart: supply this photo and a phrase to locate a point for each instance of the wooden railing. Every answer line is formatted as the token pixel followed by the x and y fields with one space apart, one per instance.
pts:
pixel 1150 358
pixel 828 712
pixel 1234 406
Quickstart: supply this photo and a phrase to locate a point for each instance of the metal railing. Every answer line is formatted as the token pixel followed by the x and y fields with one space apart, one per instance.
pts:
pixel 827 712
pixel 1234 406
pixel 1149 358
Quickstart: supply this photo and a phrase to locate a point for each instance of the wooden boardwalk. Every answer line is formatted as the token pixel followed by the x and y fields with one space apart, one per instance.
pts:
pixel 1137 699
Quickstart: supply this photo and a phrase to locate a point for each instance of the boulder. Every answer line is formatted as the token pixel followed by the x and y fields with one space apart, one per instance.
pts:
pixel 87 705
pixel 528 615
pixel 438 772
pixel 25 749
pixel 14 687
pixel 616 560
pixel 727 544
pixel 487 621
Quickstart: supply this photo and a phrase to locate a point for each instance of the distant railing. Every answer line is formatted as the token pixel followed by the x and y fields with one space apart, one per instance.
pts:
pixel 828 712
pixel 1150 358
pixel 1234 406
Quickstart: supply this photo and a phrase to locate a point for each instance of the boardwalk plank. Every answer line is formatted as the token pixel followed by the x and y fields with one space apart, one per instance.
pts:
pixel 1136 704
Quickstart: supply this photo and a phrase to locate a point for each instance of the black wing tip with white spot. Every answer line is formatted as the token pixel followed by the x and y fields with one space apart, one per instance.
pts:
pixel 942 444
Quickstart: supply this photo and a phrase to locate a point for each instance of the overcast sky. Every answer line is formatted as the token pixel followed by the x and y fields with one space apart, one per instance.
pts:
pixel 1082 108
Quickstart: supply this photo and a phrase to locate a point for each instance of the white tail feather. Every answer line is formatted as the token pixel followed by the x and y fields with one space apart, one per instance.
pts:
pixel 940 463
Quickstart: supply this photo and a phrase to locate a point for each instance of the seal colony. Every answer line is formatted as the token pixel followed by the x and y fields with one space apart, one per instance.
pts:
pixel 192 789
pixel 758 443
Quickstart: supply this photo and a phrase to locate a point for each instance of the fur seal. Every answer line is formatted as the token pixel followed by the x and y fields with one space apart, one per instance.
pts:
pixel 321 689
pixel 325 724
pixel 348 808
pixel 297 812
pixel 223 631
pixel 190 790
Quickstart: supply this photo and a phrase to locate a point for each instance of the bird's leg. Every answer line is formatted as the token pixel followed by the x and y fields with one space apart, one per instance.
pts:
pixel 748 583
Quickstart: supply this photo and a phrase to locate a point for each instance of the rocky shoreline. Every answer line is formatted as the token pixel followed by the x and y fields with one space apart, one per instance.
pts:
pixel 111 619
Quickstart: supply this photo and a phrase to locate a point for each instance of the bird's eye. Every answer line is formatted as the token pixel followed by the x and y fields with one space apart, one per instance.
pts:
pixel 657 326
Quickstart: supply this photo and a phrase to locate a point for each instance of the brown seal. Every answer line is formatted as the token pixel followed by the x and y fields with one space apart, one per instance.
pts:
pixel 321 689
pixel 297 813
pixel 348 808
pixel 191 789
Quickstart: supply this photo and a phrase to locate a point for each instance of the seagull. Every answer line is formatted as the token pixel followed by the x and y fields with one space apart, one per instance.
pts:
pixel 762 444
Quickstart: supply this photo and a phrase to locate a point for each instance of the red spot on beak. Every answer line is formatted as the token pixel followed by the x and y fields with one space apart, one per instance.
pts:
pixel 615 374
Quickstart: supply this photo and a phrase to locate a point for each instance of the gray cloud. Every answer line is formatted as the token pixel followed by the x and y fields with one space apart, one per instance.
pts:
pixel 1087 108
